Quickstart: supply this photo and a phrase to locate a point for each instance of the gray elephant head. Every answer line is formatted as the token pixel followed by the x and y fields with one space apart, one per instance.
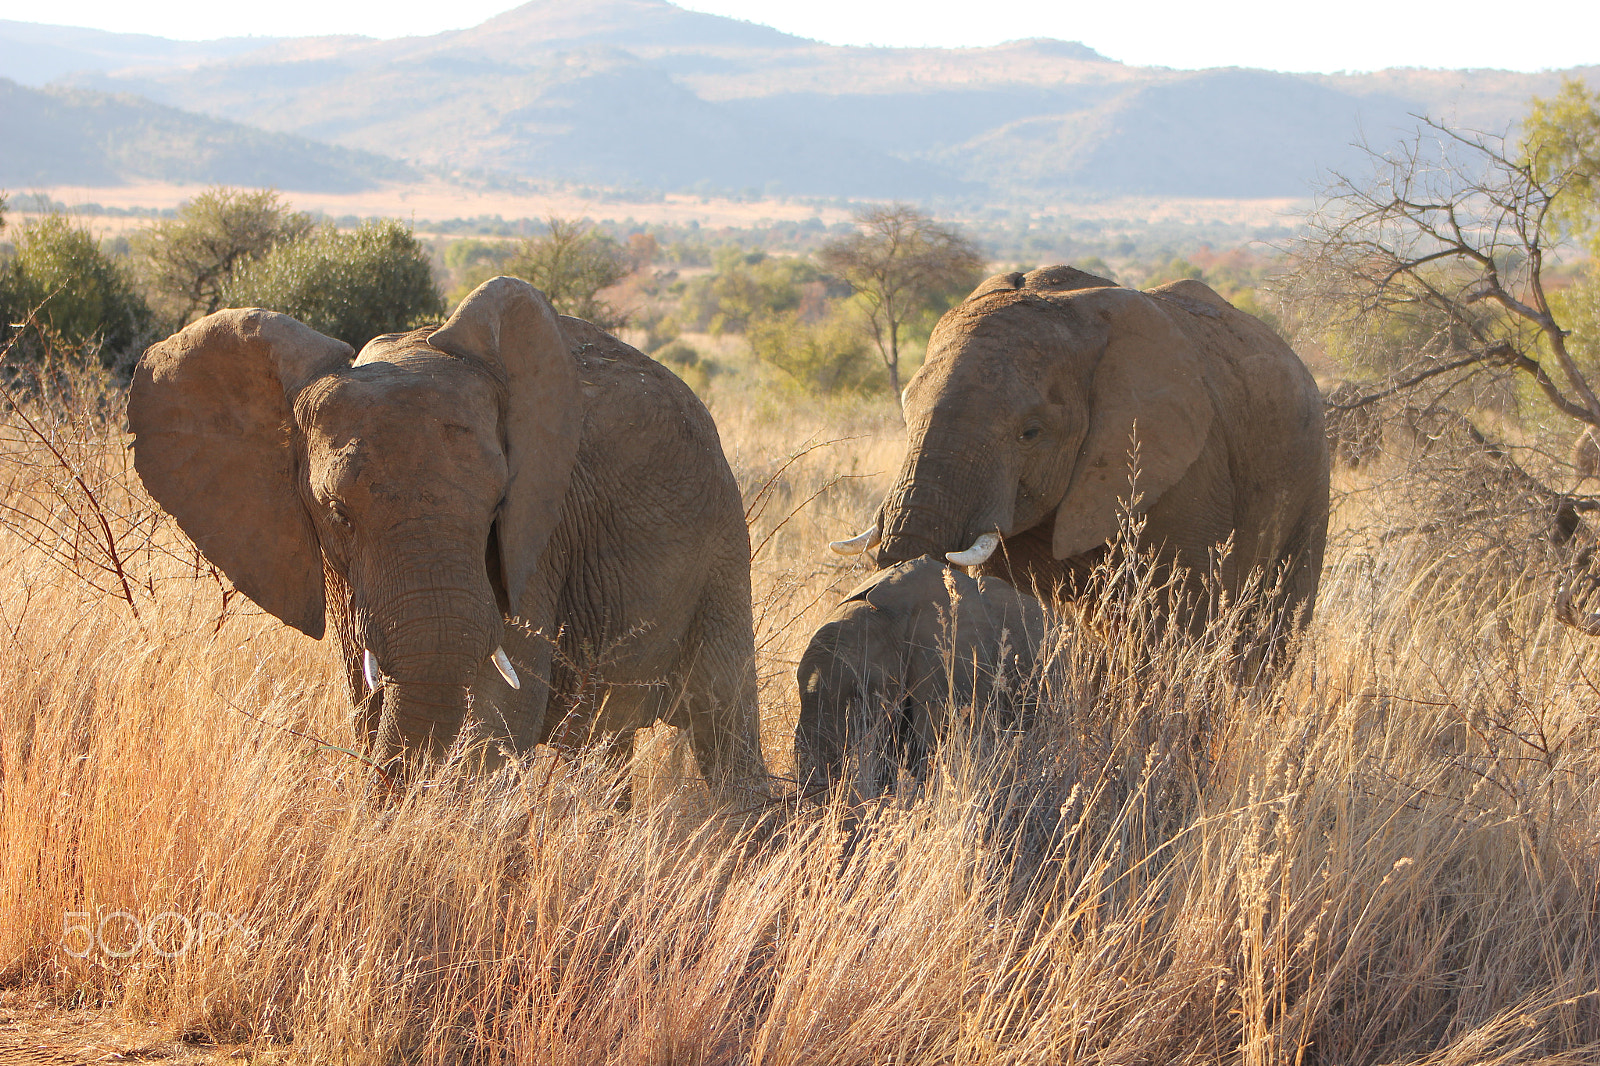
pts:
pixel 419 484
pixel 915 646
pixel 1037 391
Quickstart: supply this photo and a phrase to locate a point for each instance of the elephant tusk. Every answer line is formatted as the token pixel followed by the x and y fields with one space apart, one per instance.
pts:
pixel 502 663
pixel 369 668
pixel 980 551
pixel 858 544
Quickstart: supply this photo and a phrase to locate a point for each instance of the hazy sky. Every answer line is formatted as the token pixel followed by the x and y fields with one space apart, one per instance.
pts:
pixel 1347 35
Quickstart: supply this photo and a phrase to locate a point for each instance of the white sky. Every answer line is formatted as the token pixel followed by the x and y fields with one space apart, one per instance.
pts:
pixel 1279 35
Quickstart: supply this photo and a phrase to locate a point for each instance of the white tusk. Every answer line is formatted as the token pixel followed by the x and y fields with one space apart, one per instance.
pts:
pixel 369 667
pixel 858 544
pixel 503 664
pixel 980 551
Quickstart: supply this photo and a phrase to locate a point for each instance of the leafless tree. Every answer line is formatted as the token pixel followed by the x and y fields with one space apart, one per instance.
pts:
pixel 1442 254
pixel 901 261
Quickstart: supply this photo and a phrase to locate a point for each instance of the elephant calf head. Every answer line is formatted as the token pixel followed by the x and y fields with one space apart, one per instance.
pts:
pixel 419 483
pixel 904 656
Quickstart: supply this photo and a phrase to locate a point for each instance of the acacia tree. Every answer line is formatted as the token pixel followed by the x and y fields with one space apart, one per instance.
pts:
pixel 902 263
pixel 189 259
pixel 1449 243
pixel 571 264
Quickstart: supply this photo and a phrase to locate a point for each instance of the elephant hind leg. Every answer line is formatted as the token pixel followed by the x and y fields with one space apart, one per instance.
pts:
pixel 723 722
pixel 719 707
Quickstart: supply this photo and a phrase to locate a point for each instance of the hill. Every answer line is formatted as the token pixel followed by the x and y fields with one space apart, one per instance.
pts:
pixel 34 54
pixel 78 136
pixel 641 92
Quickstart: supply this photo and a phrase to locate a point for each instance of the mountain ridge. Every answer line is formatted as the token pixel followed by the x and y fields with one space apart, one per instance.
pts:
pixel 80 136
pixel 642 92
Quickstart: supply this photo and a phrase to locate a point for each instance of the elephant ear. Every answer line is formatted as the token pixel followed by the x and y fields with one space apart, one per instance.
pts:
pixel 211 409
pixel 508 323
pixel 1147 388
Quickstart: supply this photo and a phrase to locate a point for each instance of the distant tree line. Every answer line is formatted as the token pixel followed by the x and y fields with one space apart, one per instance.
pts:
pixel 62 292
pixel 844 309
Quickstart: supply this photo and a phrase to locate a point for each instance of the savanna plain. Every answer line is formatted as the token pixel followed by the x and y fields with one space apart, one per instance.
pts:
pixel 1388 851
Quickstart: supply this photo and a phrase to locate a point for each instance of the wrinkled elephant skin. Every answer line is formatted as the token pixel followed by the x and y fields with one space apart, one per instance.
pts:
pixel 1053 404
pixel 509 465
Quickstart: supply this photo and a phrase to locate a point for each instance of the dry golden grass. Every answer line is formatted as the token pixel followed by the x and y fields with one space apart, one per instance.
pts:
pixel 1390 853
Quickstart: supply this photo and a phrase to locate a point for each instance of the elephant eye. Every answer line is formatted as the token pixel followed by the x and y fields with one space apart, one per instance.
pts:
pixel 340 518
pixel 1031 433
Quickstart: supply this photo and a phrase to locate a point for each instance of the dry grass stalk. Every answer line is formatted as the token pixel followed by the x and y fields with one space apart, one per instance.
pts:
pixel 1384 853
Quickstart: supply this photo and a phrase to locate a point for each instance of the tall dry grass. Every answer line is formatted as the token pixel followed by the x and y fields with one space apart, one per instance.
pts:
pixel 1387 853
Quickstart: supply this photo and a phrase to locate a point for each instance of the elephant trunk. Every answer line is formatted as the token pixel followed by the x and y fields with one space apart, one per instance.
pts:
pixel 430 645
pixel 943 503
pixel 421 719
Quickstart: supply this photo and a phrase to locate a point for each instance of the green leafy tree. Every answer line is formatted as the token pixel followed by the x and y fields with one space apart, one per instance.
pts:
pixel 745 287
pixel 827 357
pixel 473 261
pixel 1561 138
pixel 571 264
pixel 188 260
pixel 85 299
pixel 354 285
pixel 902 263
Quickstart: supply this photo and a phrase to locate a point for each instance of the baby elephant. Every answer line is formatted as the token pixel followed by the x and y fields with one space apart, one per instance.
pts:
pixel 909 649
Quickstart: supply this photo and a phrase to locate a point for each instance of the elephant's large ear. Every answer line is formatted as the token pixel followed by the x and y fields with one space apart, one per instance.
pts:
pixel 211 409
pixel 509 323
pixel 1147 387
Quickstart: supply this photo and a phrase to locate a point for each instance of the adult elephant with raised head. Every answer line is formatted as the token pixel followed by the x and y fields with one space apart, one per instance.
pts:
pixel 1036 390
pixel 511 463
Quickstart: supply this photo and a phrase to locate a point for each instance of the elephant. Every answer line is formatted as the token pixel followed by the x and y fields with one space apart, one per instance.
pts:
pixel 903 652
pixel 1053 403
pixel 513 516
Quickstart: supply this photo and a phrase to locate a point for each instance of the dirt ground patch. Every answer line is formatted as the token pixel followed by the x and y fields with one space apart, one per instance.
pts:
pixel 36 1031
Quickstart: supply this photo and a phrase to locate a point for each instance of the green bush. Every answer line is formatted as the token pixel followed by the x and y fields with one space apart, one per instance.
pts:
pixel 472 261
pixel 746 286
pixel 353 286
pixel 82 298
pixel 683 360
pixel 189 259
pixel 828 357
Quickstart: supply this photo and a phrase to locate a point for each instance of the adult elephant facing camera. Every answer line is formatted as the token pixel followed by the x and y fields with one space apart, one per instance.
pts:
pixel 1021 421
pixel 509 463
